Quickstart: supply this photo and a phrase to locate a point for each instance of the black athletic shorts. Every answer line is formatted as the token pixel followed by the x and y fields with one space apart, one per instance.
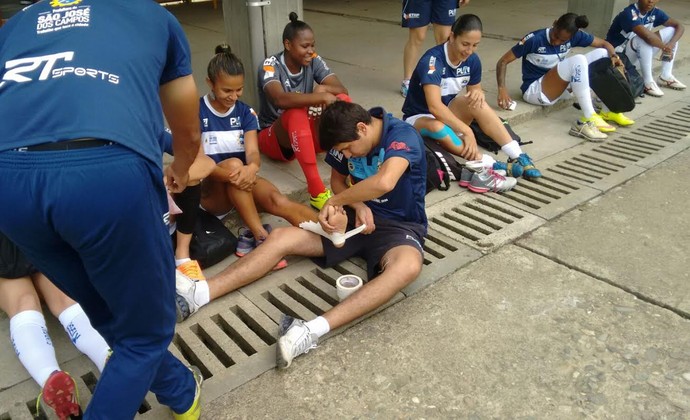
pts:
pixel 13 263
pixel 388 235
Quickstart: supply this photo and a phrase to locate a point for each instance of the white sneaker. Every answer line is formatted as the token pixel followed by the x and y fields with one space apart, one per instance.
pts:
pixel 185 302
pixel 652 89
pixel 295 339
pixel 587 130
pixel 672 83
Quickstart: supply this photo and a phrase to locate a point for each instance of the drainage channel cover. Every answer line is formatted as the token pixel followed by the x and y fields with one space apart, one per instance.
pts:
pixel 653 139
pixel 546 197
pixel 479 221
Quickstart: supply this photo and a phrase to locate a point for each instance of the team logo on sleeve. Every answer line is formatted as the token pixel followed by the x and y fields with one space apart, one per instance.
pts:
pixel 64 3
pixel 269 67
pixel 432 65
pixel 527 37
pixel 398 145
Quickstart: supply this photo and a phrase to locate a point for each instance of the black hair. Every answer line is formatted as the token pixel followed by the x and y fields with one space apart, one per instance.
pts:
pixel 295 26
pixel 571 23
pixel 224 62
pixel 339 123
pixel 466 23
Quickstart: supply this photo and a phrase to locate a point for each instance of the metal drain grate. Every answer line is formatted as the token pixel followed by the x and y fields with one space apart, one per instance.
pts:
pixel 548 196
pixel 651 142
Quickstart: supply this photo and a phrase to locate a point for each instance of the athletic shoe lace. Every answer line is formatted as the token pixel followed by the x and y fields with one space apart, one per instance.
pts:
pixel 192 270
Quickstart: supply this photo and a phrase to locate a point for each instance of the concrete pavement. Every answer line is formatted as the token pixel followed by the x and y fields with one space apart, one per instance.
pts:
pixel 586 316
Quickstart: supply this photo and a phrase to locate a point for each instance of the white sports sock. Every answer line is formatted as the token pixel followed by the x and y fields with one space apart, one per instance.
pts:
pixel 181 261
pixel 318 326
pixel 575 70
pixel 512 149
pixel 33 346
pixel 646 54
pixel 84 336
pixel 202 294
pixel 667 66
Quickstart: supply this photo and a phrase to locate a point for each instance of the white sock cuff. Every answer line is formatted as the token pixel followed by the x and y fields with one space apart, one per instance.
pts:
pixel 512 149
pixel 181 261
pixel 27 317
pixel 202 294
pixel 318 326
pixel 69 314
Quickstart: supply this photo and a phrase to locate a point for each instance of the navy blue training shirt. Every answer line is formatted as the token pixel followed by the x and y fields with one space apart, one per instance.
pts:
pixel 406 201
pixel 65 75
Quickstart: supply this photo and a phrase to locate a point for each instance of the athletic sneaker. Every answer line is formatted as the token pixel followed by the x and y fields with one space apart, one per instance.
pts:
pixel 617 117
pixel 529 171
pixel 489 180
pixel 652 89
pixel 511 168
pixel 185 303
pixel 404 87
pixel 60 393
pixel 194 412
pixel 295 339
pixel 318 201
pixel 671 83
pixel 599 123
pixel 245 242
pixel 466 177
pixel 587 131
pixel 192 270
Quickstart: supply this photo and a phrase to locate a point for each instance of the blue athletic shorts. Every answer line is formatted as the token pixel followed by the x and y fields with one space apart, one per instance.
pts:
pixel 388 235
pixel 417 13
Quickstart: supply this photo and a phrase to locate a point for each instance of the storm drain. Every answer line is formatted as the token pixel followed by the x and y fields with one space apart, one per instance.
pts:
pixel 650 143
pixel 479 221
pixel 546 197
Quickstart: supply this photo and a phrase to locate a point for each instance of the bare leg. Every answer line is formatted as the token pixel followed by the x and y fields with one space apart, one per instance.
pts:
pixel 281 242
pixel 401 264
pixel 269 199
pixel 485 117
pixel 441 33
pixel 17 295
pixel 56 300
pixel 411 53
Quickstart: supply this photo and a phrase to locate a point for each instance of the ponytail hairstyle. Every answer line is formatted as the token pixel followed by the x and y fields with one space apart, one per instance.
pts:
pixel 466 23
pixel 571 23
pixel 295 26
pixel 224 62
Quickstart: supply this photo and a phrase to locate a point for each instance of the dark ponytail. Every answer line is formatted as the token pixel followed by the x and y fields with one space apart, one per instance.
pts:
pixel 466 23
pixel 295 26
pixel 571 23
pixel 224 62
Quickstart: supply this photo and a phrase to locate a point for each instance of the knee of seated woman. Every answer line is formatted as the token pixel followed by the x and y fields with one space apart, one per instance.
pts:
pixel 231 164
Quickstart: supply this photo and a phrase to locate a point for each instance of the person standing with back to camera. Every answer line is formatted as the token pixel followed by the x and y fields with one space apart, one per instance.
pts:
pixel 294 86
pixel 81 163
pixel 416 15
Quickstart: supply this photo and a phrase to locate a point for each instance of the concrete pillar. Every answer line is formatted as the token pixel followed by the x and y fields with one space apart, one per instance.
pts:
pixel 254 30
pixel 599 12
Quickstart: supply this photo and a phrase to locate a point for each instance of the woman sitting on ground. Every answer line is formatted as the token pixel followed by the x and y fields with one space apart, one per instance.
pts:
pixel 229 137
pixel 294 86
pixel 548 73
pixel 632 33
pixel 445 96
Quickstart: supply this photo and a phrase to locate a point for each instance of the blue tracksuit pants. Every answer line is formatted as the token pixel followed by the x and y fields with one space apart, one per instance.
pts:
pixel 92 221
